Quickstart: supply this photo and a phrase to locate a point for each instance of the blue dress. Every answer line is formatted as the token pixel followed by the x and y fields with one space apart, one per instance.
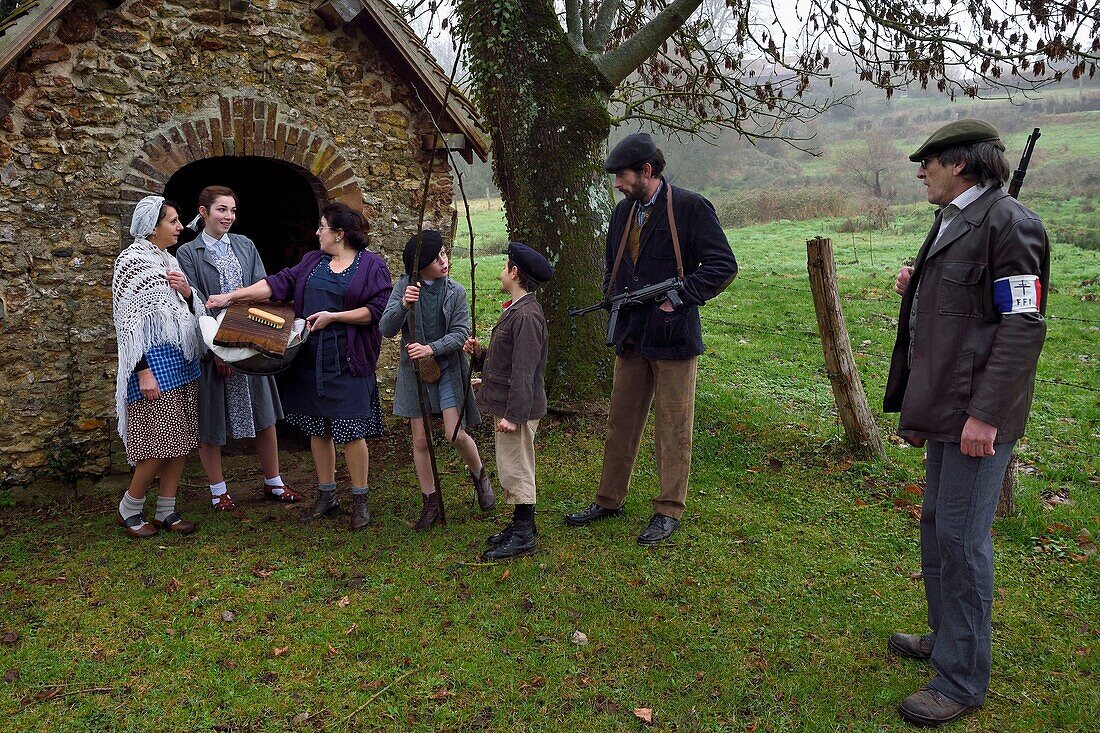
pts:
pixel 319 393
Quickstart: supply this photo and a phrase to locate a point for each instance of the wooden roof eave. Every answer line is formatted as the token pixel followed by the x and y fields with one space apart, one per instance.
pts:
pixel 28 28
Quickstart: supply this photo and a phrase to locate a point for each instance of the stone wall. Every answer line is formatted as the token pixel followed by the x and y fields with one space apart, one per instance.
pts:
pixel 106 106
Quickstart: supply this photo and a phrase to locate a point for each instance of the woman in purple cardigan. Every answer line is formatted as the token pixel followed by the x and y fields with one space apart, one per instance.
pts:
pixel 330 391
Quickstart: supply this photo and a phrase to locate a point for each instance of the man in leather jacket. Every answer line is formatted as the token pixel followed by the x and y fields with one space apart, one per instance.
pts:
pixel 657 232
pixel 962 375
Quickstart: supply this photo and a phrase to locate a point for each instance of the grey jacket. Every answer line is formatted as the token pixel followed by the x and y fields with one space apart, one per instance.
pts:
pixel 969 359
pixel 513 383
pixel 447 349
pixel 204 277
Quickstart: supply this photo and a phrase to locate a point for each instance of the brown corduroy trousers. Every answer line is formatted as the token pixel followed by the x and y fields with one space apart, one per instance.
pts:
pixel 669 385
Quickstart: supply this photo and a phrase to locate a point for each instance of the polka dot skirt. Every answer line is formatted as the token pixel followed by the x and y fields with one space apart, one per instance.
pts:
pixel 167 427
pixel 343 429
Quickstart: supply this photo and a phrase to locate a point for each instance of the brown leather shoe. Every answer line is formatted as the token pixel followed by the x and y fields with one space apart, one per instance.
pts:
pixel 224 503
pixel 136 526
pixel 483 489
pixel 360 513
pixel 912 646
pixel 429 512
pixel 926 707
pixel 289 495
pixel 174 523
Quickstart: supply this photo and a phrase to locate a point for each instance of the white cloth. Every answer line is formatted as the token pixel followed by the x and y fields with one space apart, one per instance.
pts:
pixel 147 312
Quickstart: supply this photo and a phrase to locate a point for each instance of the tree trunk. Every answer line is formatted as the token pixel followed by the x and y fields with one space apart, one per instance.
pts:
pixel 1006 505
pixel 851 401
pixel 546 109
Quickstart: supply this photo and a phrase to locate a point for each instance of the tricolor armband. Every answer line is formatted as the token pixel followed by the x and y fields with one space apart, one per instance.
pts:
pixel 1017 294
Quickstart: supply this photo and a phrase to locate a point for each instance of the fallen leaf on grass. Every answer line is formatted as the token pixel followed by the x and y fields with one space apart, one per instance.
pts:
pixel 751 727
pixel 344 602
pixel 860 502
pixel 373 684
pixel 11 675
pixel 11 638
pixel 351 629
pixel 262 572
pixel 579 638
pixel 914 490
pixel 1058 499
pixel 300 718
pixel 507 574
pixel 441 694
pixel 332 651
pixel 228 616
pixel 644 714
pixel 916 576
pixel 172 586
pixel 280 650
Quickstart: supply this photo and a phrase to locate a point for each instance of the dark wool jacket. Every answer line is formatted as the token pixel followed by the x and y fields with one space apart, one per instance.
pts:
pixel 709 266
pixel 370 286
pixel 513 384
pixel 968 358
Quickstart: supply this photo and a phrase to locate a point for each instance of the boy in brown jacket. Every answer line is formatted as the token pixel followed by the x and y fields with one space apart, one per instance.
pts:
pixel 513 390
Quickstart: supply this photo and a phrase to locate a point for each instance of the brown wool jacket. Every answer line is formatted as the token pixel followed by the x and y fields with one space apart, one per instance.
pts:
pixel 513 384
pixel 967 358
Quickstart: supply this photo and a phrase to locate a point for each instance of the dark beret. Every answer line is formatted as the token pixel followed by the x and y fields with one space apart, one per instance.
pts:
pixel 533 264
pixel 959 132
pixel 429 249
pixel 630 150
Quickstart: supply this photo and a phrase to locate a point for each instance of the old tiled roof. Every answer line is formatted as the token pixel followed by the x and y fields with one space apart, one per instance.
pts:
pixel 377 18
pixel 24 24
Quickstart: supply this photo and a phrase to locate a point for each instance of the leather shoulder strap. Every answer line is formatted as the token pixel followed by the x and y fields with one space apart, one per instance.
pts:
pixel 622 248
pixel 675 234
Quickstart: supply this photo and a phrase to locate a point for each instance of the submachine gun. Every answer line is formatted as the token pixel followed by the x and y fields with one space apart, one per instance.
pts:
pixel 1021 171
pixel 667 290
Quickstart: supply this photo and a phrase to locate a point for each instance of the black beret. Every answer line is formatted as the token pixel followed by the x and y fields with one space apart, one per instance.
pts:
pixel 533 264
pixel 959 132
pixel 630 150
pixel 429 249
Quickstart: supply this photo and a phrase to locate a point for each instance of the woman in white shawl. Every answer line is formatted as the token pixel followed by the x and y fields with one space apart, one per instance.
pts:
pixel 156 394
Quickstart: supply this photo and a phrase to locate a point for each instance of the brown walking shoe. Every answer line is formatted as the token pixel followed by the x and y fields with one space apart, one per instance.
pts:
pixel 926 707
pixel 429 512
pixel 136 526
pixel 360 513
pixel 483 489
pixel 174 523
pixel 912 646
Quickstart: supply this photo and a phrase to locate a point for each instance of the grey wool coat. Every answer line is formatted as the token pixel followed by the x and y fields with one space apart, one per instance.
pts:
pixel 447 349
pixel 204 277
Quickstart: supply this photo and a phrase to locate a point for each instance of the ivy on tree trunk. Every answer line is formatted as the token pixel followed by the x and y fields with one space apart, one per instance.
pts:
pixel 546 109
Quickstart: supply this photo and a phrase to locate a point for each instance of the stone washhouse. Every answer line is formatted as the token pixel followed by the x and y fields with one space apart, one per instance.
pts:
pixel 291 103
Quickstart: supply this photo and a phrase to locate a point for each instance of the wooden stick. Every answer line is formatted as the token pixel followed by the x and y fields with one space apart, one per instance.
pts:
pixel 373 697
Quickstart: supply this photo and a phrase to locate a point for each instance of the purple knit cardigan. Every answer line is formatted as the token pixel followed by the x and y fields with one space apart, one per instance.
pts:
pixel 370 287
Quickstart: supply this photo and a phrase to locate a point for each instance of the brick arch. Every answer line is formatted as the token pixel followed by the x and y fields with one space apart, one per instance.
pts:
pixel 245 127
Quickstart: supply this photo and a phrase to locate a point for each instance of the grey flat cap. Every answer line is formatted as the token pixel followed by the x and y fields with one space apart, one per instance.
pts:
pixel 630 150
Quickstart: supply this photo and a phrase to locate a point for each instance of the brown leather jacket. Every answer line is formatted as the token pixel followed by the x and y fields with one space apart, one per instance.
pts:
pixel 966 357
pixel 513 382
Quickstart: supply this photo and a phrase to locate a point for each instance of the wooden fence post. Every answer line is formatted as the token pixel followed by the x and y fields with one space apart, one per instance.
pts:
pixel 851 401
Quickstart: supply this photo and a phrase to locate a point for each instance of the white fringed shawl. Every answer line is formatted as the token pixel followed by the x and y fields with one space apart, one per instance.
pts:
pixel 148 312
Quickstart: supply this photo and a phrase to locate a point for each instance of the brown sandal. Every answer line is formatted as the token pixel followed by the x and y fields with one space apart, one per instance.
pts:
pixel 224 503
pixel 289 495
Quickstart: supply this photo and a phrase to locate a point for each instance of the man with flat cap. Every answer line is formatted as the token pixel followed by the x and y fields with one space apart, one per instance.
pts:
pixel 657 232
pixel 962 375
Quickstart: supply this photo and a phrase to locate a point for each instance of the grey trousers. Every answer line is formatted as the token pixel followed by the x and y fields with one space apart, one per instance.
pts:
pixel 960 501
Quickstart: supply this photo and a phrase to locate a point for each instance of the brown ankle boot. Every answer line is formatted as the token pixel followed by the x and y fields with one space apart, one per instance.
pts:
pixel 429 512
pixel 483 489
pixel 360 513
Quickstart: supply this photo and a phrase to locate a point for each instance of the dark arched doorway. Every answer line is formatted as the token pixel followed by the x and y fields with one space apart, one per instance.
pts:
pixel 278 209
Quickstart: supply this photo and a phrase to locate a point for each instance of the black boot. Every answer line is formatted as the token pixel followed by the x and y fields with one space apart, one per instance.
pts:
pixel 505 534
pixel 360 513
pixel 325 506
pixel 483 489
pixel 520 542
pixel 429 512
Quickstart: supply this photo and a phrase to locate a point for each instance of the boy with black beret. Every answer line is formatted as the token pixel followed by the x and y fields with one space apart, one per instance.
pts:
pixel 513 390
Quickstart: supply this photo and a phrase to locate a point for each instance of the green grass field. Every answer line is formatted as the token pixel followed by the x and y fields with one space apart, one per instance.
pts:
pixel 768 612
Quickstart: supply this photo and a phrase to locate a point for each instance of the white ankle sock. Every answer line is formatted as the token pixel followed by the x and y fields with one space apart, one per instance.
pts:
pixel 216 490
pixel 276 485
pixel 129 506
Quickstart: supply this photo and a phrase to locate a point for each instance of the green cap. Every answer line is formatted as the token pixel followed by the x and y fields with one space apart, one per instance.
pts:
pixel 959 132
